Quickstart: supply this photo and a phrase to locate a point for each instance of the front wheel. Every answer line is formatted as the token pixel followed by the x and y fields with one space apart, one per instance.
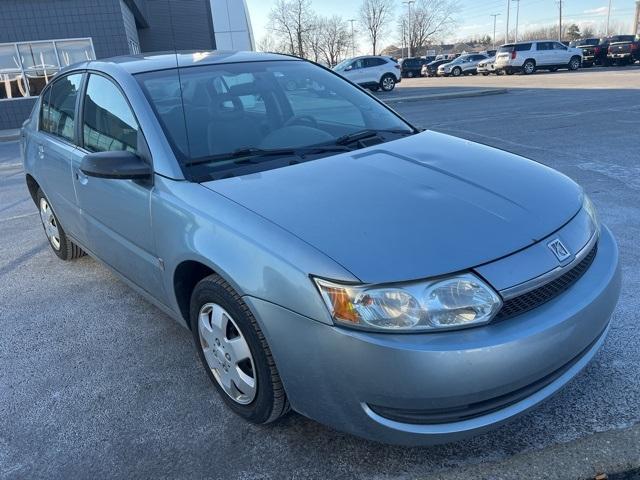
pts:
pixel 235 353
pixel 64 248
pixel 456 72
pixel 574 63
pixel 388 83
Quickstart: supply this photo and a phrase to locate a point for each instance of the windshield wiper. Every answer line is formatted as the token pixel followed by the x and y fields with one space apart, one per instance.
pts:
pixel 367 133
pixel 251 154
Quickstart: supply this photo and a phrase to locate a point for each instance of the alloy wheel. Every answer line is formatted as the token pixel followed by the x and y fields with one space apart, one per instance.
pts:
pixel 529 68
pixel 388 83
pixel 50 224
pixel 227 353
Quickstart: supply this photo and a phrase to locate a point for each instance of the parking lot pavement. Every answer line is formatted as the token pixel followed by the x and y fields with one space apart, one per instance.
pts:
pixel 95 382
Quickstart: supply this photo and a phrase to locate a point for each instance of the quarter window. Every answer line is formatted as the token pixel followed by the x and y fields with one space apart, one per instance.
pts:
pixel 59 107
pixel 109 123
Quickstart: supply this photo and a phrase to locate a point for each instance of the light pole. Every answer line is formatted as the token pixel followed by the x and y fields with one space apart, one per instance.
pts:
pixel 506 34
pixel 409 3
pixel 517 18
pixel 608 17
pixel 353 38
pixel 495 16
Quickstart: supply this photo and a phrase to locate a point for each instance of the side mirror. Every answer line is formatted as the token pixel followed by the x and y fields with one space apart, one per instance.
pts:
pixel 116 165
pixel 350 67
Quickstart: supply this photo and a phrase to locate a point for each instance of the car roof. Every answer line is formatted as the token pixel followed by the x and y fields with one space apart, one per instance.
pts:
pixel 149 62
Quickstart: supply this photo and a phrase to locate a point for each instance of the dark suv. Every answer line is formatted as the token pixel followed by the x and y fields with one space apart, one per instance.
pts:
pixel 411 67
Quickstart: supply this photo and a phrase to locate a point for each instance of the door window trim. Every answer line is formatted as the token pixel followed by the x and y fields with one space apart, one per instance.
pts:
pixel 46 91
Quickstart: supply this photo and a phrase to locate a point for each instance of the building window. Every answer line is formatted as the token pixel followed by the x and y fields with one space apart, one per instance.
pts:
pixel 26 67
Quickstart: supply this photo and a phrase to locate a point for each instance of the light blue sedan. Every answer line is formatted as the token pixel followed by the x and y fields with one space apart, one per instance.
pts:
pixel 407 287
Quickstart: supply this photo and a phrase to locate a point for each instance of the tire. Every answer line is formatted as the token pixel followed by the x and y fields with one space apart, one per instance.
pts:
pixel 553 69
pixel 64 248
pixel 456 72
pixel 374 89
pixel 528 67
pixel 485 74
pixel 266 401
pixel 574 63
pixel 387 82
pixel 410 74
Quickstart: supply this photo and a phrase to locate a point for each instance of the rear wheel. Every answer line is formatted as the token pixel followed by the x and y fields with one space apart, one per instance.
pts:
pixel 64 248
pixel 553 69
pixel 235 353
pixel 388 82
pixel 528 67
pixel 410 74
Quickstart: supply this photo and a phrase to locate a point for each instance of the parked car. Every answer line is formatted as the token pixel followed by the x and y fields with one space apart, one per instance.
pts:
pixel 488 66
pixel 431 68
pixel 463 65
pixel 372 72
pixel 625 50
pixel 411 67
pixel 592 51
pixel 527 57
pixel 407 287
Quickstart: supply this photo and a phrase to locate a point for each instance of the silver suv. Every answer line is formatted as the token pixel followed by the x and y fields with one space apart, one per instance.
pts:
pixel 527 57
pixel 467 64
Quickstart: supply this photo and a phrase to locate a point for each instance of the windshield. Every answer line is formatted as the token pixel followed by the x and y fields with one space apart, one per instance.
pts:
pixel 217 115
pixel 343 64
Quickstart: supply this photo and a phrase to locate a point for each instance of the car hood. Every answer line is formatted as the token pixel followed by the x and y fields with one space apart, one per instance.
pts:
pixel 421 206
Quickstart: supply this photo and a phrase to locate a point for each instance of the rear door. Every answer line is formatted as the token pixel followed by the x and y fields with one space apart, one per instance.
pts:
pixel 543 53
pixel 56 146
pixel 115 213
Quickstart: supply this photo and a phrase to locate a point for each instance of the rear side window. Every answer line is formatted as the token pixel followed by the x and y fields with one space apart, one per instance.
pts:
pixel 374 62
pixel 523 47
pixel 109 123
pixel 59 107
pixel 506 48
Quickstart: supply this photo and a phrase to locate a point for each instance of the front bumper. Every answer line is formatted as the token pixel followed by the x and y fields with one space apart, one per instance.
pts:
pixel 350 380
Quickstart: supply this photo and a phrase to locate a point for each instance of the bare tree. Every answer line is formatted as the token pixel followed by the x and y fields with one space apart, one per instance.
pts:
pixel 429 18
pixel 292 21
pixel 375 17
pixel 335 39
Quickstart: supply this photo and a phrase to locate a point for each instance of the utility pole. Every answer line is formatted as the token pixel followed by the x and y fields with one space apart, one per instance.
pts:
pixel 353 38
pixel 560 21
pixel 506 34
pixel 495 16
pixel 517 18
pixel 608 17
pixel 408 3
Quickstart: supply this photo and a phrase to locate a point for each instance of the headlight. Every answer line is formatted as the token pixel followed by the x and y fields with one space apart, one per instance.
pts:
pixel 444 303
pixel 591 211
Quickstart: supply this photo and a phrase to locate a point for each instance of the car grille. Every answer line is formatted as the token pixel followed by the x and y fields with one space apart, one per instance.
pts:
pixel 460 413
pixel 549 291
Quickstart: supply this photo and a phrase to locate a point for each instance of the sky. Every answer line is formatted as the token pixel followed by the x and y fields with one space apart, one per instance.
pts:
pixel 474 17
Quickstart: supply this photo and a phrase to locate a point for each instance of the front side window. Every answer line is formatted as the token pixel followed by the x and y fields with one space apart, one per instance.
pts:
pixel 109 123
pixel 59 107
pixel 558 46
pixel 212 113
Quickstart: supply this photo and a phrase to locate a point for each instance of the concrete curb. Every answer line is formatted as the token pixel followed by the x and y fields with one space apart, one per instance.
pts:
pixel 9 135
pixel 447 96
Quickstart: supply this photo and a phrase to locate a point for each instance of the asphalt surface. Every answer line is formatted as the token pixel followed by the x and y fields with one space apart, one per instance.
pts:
pixel 95 382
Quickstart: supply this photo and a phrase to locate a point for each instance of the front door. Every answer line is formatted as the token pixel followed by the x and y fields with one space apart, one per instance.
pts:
pixel 115 213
